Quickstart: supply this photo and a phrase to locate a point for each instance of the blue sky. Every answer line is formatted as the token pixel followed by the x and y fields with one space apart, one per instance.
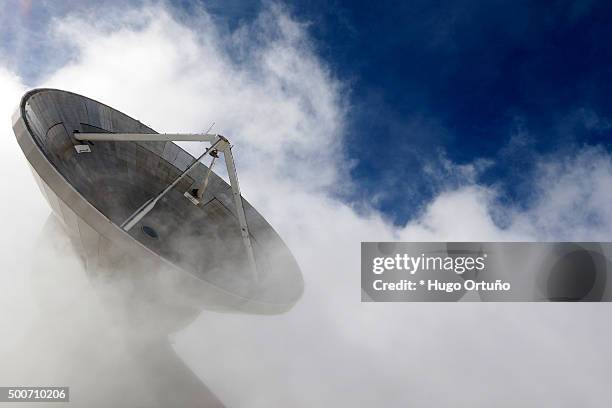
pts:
pixel 478 79
pixel 463 80
pixel 496 83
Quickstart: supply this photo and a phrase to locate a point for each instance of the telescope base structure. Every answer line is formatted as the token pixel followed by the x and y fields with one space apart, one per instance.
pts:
pixel 102 338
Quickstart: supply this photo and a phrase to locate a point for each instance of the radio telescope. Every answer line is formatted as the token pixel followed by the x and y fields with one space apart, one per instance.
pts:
pixel 153 225
pixel 132 200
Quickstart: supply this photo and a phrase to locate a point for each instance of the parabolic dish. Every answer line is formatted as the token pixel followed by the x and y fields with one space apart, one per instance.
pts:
pixel 199 247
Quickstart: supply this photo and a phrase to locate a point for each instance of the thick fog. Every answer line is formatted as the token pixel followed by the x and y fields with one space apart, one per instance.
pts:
pixel 267 89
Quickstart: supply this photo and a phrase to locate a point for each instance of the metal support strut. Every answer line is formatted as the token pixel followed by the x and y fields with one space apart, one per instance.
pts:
pixel 218 143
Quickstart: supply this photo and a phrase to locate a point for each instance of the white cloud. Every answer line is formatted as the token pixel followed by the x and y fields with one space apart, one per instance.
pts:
pixel 270 93
pixel 278 103
pixel 572 198
pixel 23 208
